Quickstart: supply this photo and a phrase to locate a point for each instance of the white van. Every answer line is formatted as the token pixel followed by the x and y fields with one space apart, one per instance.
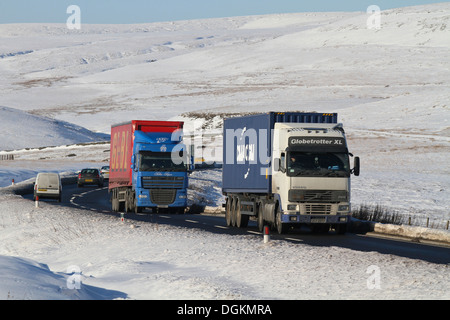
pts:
pixel 48 185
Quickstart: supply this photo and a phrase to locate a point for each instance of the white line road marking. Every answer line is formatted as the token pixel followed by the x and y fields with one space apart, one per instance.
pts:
pixel 221 227
pixel 293 239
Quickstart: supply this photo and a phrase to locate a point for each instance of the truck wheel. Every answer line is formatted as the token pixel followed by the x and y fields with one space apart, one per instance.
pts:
pixel 115 204
pixel 228 211
pixel 341 228
pixel 261 217
pixel 129 201
pixel 281 227
pixel 233 211
pixel 136 209
pixel 241 219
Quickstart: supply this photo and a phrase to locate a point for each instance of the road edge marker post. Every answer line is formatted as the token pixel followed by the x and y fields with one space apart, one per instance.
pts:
pixel 266 234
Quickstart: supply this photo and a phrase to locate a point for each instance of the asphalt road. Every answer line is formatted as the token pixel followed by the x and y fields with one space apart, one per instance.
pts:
pixel 97 200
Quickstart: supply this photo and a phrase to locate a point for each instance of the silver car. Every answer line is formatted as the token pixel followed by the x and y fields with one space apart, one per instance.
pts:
pixel 105 172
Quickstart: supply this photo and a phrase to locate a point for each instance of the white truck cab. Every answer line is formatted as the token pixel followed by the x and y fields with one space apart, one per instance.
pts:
pixel 311 174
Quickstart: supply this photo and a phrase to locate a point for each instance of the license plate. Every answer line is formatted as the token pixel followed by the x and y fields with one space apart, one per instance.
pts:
pixel 43 190
pixel 318 220
pixel 88 180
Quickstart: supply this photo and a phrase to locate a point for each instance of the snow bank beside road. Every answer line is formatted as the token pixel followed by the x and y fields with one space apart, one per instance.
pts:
pixel 25 279
pixel 416 233
pixel 142 260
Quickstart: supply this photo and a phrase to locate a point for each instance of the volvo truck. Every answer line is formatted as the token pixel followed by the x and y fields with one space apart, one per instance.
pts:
pixel 287 170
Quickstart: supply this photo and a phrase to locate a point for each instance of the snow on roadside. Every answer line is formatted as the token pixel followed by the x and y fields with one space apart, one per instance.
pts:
pixel 141 260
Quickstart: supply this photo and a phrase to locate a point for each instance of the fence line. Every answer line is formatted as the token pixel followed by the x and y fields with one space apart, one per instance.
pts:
pixel 6 157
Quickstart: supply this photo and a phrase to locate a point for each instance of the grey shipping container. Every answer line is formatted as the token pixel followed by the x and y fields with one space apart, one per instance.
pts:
pixel 247 143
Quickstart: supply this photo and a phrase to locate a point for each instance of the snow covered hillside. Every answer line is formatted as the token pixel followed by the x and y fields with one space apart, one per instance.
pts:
pixel 390 86
pixel 393 78
pixel 58 87
pixel 20 130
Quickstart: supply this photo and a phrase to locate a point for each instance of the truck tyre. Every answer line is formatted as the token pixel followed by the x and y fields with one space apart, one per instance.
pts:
pixel 260 217
pixel 241 219
pixel 233 211
pixel 281 227
pixel 228 210
pixel 128 204
pixel 341 228
pixel 114 203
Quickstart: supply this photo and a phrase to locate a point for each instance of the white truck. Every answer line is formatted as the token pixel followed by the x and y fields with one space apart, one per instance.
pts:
pixel 287 170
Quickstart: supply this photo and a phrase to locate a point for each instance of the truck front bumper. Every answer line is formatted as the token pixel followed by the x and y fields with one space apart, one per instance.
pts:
pixel 161 198
pixel 317 218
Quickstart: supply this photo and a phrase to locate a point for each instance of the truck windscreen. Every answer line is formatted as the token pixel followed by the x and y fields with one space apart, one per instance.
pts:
pixel 313 164
pixel 158 161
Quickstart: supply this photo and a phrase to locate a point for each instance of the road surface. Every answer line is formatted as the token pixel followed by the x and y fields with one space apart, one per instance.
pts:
pixel 97 200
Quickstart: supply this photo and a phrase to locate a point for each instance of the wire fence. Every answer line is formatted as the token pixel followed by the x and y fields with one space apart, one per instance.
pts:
pixel 6 157
pixel 382 214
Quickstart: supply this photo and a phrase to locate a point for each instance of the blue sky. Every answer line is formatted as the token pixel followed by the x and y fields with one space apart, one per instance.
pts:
pixel 142 11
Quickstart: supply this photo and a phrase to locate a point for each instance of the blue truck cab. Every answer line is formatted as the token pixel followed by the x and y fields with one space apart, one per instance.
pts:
pixel 148 166
pixel 159 172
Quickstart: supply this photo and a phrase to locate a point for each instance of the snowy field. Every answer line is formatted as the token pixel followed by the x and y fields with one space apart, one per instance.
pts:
pixel 59 87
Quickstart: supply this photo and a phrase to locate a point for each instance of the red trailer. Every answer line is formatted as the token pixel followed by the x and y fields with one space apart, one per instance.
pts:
pixel 131 139
pixel 122 137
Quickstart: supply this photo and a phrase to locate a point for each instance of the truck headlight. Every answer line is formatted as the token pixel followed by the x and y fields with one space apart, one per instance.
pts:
pixel 344 207
pixel 182 196
pixel 292 207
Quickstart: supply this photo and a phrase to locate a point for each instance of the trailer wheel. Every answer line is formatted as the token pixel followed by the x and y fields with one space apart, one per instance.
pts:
pixel 129 201
pixel 114 202
pixel 233 211
pixel 261 217
pixel 241 219
pixel 228 211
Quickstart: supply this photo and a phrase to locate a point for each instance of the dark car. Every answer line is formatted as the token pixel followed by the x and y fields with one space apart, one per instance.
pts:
pixel 90 176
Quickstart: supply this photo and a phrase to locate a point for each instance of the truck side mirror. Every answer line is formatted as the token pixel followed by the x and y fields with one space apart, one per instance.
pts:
pixel 276 164
pixel 133 166
pixel 356 166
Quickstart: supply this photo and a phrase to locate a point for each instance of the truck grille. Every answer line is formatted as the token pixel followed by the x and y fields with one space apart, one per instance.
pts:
pixel 162 182
pixel 317 208
pixel 318 195
pixel 163 196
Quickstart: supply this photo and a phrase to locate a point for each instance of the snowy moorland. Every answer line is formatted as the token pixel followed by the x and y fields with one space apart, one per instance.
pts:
pixel 60 87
